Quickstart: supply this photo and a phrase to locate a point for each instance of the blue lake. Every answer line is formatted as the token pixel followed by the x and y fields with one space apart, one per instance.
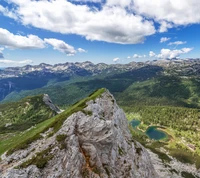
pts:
pixel 135 123
pixel 153 133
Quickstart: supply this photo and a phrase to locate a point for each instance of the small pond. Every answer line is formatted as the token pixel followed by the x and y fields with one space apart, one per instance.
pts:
pixel 153 133
pixel 135 123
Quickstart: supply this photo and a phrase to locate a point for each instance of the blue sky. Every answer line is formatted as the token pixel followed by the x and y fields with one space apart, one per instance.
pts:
pixel 109 31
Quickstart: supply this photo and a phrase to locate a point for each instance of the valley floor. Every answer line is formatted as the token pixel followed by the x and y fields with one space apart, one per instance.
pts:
pixel 179 152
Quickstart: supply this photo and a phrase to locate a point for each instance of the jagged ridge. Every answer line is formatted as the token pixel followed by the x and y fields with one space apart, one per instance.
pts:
pixel 92 140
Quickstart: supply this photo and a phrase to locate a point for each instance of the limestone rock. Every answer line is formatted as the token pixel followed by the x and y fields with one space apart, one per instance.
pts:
pixel 95 145
pixel 49 103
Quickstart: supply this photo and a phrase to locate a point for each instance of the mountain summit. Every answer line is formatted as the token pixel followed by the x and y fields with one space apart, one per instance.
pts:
pixel 90 140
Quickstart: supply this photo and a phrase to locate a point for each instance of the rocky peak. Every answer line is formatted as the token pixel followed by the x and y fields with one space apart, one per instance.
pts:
pixel 93 142
pixel 49 103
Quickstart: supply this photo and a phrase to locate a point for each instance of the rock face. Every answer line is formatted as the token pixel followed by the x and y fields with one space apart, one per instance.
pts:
pixel 95 143
pixel 49 103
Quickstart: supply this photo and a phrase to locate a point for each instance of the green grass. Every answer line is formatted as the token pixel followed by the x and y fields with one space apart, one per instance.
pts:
pixel 155 146
pixel 186 156
pixel 40 159
pixel 22 140
pixel 19 138
pixel 61 139
pixel 23 114
pixel 187 175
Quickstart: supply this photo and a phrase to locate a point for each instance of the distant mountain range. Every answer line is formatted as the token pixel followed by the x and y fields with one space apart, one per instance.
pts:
pixel 88 68
pixel 17 79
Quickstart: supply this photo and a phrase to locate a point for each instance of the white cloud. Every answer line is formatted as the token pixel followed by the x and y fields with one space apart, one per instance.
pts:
pixel 113 24
pixel 7 12
pixel 11 62
pixel 164 39
pixel 178 43
pixel 174 12
pixel 95 1
pixel 80 50
pixel 10 40
pixel 170 54
pixel 137 56
pixel 117 21
pixel 61 46
pixel 116 59
pixel 164 26
pixel 128 57
pixel 152 54
pixel 122 3
pixel 25 62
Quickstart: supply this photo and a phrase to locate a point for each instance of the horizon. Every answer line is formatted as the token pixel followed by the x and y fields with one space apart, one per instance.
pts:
pixel 116 63
pixel 63 31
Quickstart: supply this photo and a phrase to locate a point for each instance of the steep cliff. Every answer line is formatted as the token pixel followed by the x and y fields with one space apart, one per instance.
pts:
pixel 93 142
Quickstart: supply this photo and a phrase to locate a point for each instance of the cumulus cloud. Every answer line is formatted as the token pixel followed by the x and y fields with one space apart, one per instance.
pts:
pixel 170 54
pixel 61 46
pixel 136 56
pixel 80 50
pixel 122 21
pixel 164 26
pixel 178 43
pixel 114 24
pixel 7 12
pixel 173 12
pixel 11 62
pixel 152 54
pixel 164 39
pixel 121 3
pixel 10 40
pixel 95 1
pixel 128 57
pixel 116 59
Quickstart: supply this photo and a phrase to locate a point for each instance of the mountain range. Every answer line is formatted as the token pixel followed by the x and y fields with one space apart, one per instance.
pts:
pixel 18 82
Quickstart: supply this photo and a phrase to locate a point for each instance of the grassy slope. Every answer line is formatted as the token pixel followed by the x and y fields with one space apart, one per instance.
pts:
pixel 22 140
pixel 23 114
pixel 162 91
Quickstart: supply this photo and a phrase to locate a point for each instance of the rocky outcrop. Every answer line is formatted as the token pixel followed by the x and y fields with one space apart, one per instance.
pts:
pixel 49 103
pixel 95 143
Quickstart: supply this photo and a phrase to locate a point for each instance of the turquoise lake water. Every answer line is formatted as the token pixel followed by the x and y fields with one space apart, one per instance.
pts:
pixel 153 133
pixel 135 123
